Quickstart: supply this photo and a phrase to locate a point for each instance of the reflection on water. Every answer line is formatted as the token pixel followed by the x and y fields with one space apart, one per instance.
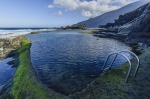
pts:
pixel 67 61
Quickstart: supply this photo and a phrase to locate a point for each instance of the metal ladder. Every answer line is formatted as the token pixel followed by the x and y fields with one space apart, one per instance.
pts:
pixel 130 68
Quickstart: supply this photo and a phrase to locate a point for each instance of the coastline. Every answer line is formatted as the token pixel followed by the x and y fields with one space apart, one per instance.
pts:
pixel 101 85
pixel 138 43
pixel 25 83
pixel 8 49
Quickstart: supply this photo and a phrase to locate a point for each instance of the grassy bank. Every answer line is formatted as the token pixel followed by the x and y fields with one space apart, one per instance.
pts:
pixel 112 85
pixel 25 83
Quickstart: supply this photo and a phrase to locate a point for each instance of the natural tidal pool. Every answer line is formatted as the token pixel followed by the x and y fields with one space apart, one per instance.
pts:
pixel 68 60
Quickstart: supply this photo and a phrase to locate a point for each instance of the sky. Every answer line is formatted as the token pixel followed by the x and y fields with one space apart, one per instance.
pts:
pixel 53 13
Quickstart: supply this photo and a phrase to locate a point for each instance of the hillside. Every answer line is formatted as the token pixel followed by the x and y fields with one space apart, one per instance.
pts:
pixel 138 17
pixel 105 18
pixel 135 21
pixel 132 28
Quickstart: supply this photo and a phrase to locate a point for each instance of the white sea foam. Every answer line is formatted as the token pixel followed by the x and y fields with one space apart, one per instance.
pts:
pixel 4 33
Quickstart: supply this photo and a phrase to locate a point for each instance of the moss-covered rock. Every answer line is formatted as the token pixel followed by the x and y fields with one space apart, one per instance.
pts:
pixel 25 83
pixel 112 85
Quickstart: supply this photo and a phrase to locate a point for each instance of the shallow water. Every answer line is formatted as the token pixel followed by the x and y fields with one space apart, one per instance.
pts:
pixel 67 61
pixel 6 71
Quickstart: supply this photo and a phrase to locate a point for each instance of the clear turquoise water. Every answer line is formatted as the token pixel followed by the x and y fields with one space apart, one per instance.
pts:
pixel 67 61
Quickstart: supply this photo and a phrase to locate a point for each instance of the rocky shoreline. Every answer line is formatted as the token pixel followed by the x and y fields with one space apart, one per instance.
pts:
pixel 8 45
pixel 8 48
pixel 138 43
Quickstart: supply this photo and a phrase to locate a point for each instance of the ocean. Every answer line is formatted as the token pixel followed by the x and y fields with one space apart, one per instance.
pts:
pixel 7 32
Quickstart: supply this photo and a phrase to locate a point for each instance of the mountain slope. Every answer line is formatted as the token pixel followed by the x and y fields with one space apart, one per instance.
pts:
pixel 105 18
pixel 135 21
pixel 133 27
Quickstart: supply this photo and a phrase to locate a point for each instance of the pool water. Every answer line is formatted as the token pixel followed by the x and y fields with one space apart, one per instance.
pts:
pixel 68 60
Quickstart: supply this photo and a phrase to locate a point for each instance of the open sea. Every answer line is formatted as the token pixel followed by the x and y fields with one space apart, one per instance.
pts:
pixel 7 32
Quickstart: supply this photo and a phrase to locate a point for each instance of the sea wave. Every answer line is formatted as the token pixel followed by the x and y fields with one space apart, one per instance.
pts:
pixel 4 33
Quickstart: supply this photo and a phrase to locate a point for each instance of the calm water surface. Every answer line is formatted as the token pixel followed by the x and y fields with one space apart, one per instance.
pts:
pixel 67 61
pixel 6 71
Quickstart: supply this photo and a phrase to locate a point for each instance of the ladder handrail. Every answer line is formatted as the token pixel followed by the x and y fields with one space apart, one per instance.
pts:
pixel 130 68
pixel 138 60
pixel 107 59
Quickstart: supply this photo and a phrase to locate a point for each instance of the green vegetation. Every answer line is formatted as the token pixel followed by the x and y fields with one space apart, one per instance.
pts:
pixel 109 85
pixel 25 83
pixel 81 26
pixel 112 84
pixel 35 32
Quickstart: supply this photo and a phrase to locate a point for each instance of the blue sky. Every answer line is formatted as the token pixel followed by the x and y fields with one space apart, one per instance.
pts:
pixel 53 13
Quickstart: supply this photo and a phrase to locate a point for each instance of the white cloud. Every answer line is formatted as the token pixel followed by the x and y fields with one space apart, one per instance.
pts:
pixel 124 2
pixel 90 8
pixel 50 6
pixel 59 13
pixel 86 13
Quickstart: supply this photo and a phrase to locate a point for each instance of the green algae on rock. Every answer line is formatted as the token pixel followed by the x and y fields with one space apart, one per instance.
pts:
pixel 109 85
pixel 112 84
pixel 25 83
